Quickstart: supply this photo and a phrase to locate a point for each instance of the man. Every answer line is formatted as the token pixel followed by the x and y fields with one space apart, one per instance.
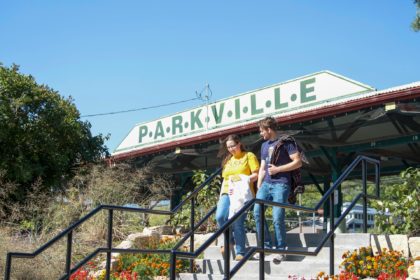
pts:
pixel 274 181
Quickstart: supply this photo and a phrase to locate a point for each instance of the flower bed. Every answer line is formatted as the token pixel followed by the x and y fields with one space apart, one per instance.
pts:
pixel 134 266
pixel 362 263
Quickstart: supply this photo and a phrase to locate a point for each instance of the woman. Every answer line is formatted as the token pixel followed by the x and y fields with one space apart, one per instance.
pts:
pixel 239 166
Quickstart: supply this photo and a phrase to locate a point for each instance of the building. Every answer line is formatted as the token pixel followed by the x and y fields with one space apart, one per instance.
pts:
pixel 333 118
pixel 354 220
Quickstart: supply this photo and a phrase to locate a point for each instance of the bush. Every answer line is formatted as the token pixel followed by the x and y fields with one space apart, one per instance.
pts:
pixel 206 199
pixel 132 266
pixel 119 185
pixel 49 265
pixel 399 209
pixel 44 216
pixel 362 263
pixel 150 265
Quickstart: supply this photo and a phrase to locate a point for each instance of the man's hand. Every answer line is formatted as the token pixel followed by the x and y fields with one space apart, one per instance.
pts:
pixel 272 169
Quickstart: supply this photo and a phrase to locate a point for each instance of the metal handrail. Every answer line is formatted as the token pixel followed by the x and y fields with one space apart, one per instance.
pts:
pixel 260 249
pixel 69 233
pixel 226 228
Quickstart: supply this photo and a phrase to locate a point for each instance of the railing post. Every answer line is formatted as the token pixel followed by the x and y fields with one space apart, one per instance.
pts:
pixel 364 185
pixel 172 271
pixel 262 239
pixel 192 222
pixel 109 244
pixel 68 254
pixel 377 180
pixel 8 266
pixel 332 235
pixel 226 256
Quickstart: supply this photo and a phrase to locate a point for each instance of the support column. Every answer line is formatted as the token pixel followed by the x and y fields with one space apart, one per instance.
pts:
pixel 331 154
pixel 179 190
pixel 326 204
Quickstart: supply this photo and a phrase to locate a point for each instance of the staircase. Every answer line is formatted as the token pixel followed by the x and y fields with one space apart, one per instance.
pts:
pixel 292 267
pixel 211 266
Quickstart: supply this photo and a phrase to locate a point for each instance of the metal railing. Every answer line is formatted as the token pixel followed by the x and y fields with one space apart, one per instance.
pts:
pixel 225 229
pixel 68 270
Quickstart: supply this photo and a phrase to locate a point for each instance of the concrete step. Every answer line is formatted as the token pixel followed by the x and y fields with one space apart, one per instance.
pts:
pixel 197 276
pixel 213 253
pixel 292 267
pixel 252 267
pixel 349 240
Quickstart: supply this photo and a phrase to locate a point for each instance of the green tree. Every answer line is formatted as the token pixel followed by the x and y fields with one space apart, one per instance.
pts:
pixel 399 207
pixel 416 22
pixel 41 134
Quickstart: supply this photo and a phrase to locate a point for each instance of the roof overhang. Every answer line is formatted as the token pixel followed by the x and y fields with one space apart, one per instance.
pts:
pixel 324 109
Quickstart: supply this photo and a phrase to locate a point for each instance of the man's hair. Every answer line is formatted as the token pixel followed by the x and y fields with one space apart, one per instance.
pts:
pixel 268 122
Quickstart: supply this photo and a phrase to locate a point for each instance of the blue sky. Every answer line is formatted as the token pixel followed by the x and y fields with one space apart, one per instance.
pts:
pixel 120 55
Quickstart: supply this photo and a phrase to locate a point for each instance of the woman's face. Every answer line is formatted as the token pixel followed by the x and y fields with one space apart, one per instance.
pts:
pixel 233 147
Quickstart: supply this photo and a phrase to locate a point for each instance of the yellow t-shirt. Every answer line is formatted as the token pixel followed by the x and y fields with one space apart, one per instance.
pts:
pixel 245 164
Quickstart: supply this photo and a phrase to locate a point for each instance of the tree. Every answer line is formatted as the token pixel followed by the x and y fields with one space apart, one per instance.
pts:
pixel 399 207
pixel 41 134
pixel 416 22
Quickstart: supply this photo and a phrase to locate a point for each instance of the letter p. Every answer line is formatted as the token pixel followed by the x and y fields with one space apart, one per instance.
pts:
pixel 142 132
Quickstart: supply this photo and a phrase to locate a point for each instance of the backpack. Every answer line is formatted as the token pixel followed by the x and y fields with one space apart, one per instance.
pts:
pixel 296 185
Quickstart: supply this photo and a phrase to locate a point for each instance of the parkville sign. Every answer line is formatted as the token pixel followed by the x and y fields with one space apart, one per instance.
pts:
pixel 280 99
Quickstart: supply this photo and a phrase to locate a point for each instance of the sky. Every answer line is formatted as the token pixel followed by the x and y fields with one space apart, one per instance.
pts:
pixel 112 56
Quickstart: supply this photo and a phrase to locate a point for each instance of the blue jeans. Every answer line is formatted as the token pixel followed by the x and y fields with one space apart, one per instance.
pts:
pixel 238 227
pixel 277 193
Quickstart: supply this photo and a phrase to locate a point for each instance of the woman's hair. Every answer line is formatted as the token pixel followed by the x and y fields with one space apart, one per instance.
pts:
pixel 223 151
pixel 268 122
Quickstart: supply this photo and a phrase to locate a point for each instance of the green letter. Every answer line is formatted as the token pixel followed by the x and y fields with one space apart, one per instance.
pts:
pixel 142 132
pixel 176 123
pixel 254 110
pixel 237 108
pixel 304 90
pixel 218 115
pixel 195 119
pixel 159 130
pixel 277 103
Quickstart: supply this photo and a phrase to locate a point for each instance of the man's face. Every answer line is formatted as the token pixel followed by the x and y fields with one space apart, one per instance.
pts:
pixel 265 133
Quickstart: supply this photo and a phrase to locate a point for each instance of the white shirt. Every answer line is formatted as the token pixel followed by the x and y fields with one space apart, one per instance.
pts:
pixel 239 193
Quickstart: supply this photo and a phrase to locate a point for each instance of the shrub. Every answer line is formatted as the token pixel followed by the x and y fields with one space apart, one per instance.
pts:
pixel 99 184
pixel 363 263
pixel 49 265
pixel 399 210
pixel 131 266
pixel 44 216
pixel 206 199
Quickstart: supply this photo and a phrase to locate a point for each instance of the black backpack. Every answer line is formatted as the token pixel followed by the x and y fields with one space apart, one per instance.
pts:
pixel 296 185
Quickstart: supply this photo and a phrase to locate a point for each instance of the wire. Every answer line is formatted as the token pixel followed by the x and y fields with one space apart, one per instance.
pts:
pixel 139 109
pixel 205 94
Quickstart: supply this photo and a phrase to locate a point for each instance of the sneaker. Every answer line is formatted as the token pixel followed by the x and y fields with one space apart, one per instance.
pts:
pixel 277 258
pixel 239 257
pixel 222 249
pixel 256 256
